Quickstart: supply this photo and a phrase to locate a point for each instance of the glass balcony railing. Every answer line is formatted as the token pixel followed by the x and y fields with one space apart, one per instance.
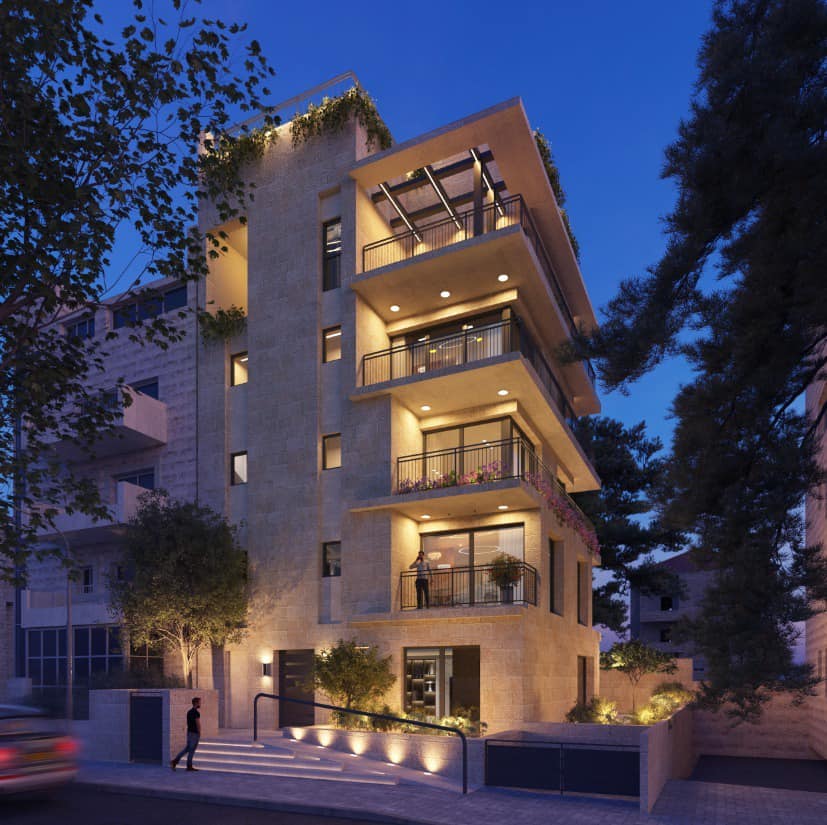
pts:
pixel 444 233
pixel 469 586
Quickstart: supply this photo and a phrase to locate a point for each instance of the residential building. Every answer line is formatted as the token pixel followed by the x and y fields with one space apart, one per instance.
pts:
pixel 652 616
pixel 816 629
pixel 395 390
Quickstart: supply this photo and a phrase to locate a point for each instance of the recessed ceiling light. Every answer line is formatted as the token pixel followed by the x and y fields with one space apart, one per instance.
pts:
pixel 502 278
pixel 424 516
pixel 502 392
pixel 502 507
pixel 394 307
pixel 444 294
pixel 425 408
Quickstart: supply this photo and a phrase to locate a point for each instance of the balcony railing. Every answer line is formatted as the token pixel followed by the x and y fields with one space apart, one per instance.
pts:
pixel 491 462
pixel 468 346
pixel 443 233
pixel 468 586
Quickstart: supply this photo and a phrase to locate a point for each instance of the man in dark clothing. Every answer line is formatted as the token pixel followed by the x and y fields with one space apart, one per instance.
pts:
pixel 193 735
pixel 423 573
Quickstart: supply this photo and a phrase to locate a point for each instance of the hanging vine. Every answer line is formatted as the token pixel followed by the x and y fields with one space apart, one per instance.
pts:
pixel 553 174
pixel 225 156
pixel 333 113
pixel 225 324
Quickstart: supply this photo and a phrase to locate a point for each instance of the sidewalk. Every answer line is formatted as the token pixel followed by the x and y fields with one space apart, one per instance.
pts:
pixel 682 802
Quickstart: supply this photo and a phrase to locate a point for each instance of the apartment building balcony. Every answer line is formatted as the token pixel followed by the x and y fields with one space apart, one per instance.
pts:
pixel 482 365
pixel 469 587
pixel 79 528
pixel 139 425
pixel 47 608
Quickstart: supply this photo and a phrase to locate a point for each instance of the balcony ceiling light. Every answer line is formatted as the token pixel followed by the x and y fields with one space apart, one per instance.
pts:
pixel 467 326
pixel 424 516
pixel 394 307
pixel 502 278
pixel 334 334
pixel 243 359
pixel 502 392
pixel 444 294
pixel 425 408
pixel 502 507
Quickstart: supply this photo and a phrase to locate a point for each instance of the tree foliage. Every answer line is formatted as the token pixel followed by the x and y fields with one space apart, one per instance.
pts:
pixel 100 138
pixel 741 293
pixel 352 675
pixel 635 660
pixel 623 513
pixel 186 578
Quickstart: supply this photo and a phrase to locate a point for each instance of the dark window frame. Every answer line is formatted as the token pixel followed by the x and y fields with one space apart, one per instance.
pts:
pixel 325 356
pixel 331 571
pixel 556 557
pixel 331 260
pixel 141 387
pixel 136 475
pixel 325 440
pixel 81 328
pixel 472 531
pixel 582 598
pixel 233 457
pixel 238 356
pixel 148 306
pixel 87 580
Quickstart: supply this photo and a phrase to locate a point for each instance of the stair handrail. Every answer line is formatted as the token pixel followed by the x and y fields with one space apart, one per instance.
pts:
pixel 372 715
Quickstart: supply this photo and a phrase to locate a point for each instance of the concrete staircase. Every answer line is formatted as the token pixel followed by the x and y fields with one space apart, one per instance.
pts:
pixel 229 754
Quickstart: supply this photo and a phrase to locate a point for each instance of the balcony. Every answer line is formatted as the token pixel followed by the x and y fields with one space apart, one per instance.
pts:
pixel 460 349
pixel 494 219
pixel 470 586
pixel 83 529
pixel 140 425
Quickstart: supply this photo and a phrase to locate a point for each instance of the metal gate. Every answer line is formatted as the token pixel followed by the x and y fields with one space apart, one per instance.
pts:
pixel 145 737
pixel 295 673
pixel 563 766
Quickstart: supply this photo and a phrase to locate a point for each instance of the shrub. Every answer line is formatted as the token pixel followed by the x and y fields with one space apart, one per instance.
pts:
pixel 667 699
pixel 597 711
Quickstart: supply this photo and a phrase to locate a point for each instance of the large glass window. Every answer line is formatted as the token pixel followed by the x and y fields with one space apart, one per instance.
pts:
pixel 238 468
pixel 442 681
pixel 84 328
pixel 143 478
pixel 149 307
pixel 238 369
pixel 97 649
pixel 332 451
pixel 331 254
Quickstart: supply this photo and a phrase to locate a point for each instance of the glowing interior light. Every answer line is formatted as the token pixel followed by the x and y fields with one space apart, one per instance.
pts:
pixel 502 392
pixel 425 408
pixel 394 307
pixel 502 507
pixel 502 278
pixel 335 334
pixel 424 516
pixel 444 294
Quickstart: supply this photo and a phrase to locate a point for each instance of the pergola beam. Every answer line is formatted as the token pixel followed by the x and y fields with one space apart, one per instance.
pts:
pixel 443 196
pixel 400 210
pixel 437 208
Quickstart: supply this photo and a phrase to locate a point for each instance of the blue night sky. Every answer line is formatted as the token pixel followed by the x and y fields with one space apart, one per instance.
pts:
pixel 607 83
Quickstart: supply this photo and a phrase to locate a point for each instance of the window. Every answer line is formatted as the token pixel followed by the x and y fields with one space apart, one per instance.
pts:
pixel 667 603
pixel 238 369
pixel 331 344
pixel 331 254
pixel 666 634
pixel 149 307
pixel 583 592
pixel 84 328
pixel 555 576
pixel 582 679
pixel 147 657
pixel 441 681
pixel 97 649
pixel 331 559
pixel 238 468
pixel 87 580
pixel 332 451
pixel 143 478
pixel 148 387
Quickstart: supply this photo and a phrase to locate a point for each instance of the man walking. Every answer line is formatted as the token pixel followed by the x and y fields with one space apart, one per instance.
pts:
pixel 423 573
pixel 193 735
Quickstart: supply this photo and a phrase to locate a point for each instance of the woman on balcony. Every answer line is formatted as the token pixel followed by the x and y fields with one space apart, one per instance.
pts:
pixel 423 573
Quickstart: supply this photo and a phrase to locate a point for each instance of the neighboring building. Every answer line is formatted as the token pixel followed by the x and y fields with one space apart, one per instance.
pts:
pixel 395 390
pixel 816 632
pixel 652 617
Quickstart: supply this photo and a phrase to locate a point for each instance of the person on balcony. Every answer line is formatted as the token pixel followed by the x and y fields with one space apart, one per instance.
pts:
pixel 423 574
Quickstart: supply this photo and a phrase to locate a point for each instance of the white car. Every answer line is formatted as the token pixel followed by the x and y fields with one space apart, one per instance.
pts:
pixel 34 753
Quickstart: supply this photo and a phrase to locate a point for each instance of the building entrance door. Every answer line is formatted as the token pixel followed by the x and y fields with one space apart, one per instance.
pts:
pixel 295 673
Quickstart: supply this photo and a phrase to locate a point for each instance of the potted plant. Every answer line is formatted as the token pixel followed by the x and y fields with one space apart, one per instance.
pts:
pixel 505 572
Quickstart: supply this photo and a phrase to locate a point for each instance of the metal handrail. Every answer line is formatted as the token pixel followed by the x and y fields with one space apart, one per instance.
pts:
pixel 372 715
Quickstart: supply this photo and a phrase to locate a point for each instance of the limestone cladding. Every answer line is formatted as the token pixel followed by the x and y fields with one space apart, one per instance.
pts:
pixel 816 632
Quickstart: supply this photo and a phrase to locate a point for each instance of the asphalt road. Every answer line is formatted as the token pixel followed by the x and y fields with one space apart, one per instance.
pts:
pixel 83 806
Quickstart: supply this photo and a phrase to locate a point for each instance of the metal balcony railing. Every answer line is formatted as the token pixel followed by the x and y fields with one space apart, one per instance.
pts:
pixel 468 346
pixel 467 586
pixel 446 232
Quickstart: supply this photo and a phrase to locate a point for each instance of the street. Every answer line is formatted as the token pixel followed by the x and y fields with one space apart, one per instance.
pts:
pixel 77 804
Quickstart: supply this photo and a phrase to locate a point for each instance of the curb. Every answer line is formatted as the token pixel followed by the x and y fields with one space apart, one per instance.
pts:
pixel 247 802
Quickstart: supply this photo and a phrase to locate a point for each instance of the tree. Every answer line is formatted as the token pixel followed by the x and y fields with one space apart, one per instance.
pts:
pixel 740 292
pixel 352 675
pixel 186 579
pixel 100 139
pixel 636 659
pixel 622 512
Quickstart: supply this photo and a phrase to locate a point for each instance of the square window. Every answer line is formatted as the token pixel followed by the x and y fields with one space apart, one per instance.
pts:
pixel 331 344
pixel 238 468
pixel 667 603
pixel 85 328
pixel 332 451
pixel 175 299
pixel 149 387
pixel 125 315
pixel 238 369
pixel 331 559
